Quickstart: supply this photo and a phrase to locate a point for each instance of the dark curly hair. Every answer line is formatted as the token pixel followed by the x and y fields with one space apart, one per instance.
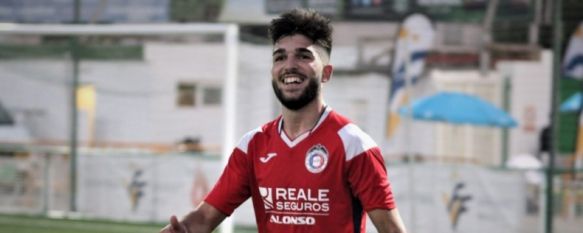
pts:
pixel 307 22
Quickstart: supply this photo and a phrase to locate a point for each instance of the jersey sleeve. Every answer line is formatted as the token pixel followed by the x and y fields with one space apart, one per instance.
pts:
pixel 368 180
pixel 365 169
pixel 232 188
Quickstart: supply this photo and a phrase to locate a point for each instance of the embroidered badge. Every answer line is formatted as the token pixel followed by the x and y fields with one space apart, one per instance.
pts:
pixel 316 159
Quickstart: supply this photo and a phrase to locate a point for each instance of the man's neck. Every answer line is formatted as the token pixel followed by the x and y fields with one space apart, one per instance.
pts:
pixel 297 122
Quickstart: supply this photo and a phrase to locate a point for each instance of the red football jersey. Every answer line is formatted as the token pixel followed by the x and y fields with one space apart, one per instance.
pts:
pixel 323 181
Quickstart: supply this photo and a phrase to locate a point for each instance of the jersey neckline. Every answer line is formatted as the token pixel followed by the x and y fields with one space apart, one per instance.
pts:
pixel 291 143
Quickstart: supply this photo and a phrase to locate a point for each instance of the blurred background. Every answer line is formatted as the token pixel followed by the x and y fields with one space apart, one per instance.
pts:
pixel 116 114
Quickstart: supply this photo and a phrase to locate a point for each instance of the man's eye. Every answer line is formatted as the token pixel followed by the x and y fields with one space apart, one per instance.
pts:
pixel 278 58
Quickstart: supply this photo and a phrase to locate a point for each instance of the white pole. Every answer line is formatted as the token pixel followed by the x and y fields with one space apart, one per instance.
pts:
pixel 407 126
pixel 230 107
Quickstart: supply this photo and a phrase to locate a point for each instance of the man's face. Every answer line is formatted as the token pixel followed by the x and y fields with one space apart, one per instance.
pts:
pixel 297 71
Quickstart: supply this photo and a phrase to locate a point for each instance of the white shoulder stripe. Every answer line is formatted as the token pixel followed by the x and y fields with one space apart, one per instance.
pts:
pixel 244 142
pixel 355 140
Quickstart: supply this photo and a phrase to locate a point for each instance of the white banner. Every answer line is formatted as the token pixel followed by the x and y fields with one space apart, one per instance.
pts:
pixel 143 187
pixel 460 198
pixel 573 60
pixel 447 198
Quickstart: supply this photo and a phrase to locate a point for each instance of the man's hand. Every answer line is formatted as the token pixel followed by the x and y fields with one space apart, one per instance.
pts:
pixel 204 219
pixel 174 227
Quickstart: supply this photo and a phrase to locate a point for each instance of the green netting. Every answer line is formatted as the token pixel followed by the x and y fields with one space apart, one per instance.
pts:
pixel 568 121
pixel 89 52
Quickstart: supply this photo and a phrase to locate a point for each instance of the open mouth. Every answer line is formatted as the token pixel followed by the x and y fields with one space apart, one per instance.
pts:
pixel 292 78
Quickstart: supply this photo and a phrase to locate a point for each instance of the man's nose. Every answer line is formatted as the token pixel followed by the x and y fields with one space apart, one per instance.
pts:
pixel 291 63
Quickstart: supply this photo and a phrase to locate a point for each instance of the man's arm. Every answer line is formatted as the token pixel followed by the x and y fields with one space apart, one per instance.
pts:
pixel 204 219
pixel 387 221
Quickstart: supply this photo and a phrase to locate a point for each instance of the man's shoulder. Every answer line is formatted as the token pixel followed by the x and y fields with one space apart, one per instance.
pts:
pixel 338 119
pixel 250 135
pixel 354 139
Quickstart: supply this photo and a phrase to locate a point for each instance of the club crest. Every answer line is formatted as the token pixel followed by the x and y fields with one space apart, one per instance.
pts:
pixel 316 159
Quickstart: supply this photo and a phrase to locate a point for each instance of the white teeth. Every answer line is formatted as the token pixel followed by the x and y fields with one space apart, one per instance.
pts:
pixel 292 80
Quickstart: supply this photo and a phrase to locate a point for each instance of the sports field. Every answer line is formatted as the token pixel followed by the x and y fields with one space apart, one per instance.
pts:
pixel 31 224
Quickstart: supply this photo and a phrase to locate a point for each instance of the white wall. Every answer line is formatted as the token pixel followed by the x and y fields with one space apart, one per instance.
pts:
pixel 362 99
pixel 531 98
pixel 136 100
pixel 37 86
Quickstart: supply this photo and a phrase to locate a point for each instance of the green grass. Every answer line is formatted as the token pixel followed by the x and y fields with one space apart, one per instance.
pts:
pixel 31 224
pixel 35 224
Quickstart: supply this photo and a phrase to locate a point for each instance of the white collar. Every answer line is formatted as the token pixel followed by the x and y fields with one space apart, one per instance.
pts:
pixel 292 143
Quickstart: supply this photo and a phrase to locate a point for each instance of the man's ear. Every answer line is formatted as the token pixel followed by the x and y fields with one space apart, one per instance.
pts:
pixel 327 73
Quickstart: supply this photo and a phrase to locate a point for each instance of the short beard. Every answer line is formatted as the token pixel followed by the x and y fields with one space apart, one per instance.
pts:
pixel 307 96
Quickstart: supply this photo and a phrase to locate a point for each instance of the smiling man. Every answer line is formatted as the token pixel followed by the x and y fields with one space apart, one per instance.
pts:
pixel 310 169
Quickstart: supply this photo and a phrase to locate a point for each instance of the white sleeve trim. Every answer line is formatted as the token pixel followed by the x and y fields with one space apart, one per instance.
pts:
pixel 355 141
pixel 244 142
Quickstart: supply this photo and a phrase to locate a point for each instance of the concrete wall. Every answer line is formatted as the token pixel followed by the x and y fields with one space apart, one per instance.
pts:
pixel 37 86
pixel 531 84
pixel 136 100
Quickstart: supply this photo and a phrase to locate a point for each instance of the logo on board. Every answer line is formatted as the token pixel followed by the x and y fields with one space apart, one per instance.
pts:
pixel 457 204
pixel 135 188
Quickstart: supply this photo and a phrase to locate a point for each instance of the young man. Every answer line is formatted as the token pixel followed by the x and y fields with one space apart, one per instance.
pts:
pixel 309 170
